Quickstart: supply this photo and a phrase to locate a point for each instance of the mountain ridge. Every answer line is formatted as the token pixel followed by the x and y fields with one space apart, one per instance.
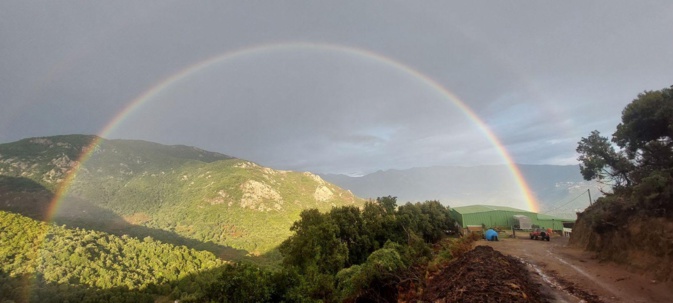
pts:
pixel 195 194
pixel 552 185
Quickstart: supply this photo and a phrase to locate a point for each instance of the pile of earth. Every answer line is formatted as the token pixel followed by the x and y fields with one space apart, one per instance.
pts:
pixel 483 275
pixel 615 232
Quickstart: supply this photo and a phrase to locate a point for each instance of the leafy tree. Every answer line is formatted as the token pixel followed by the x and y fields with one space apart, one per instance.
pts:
pixel 638 159
pixel 601 161
pixel 248 283
pixel 375 279
pixel 352 232
pixel 315 244
pixel 389 203
pixel 439 220
pixel 382 224
pixel 350 254
pixel 645 121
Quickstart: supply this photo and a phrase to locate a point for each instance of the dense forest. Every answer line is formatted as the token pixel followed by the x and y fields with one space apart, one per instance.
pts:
pixel 347 254
pixel 51 262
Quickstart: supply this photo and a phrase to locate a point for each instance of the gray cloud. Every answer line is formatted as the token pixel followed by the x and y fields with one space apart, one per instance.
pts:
pixel 541 75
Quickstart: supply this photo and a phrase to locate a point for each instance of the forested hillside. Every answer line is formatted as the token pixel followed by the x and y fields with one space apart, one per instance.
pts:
pixel 178 194
pixel 348 254
pixel 46 262
pixel 377 254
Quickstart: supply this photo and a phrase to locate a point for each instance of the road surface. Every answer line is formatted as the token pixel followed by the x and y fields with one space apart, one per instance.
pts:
pixel 569 274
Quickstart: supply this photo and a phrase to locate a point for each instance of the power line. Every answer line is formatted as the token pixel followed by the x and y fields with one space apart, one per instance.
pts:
pixel 582 194
pixel 559 202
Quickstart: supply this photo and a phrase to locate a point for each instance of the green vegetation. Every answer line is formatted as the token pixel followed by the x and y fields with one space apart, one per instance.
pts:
pixel 633 224
pixel 641 170
pixel 175 192
pixel 133 205
pixel 346 255
pixel 71 264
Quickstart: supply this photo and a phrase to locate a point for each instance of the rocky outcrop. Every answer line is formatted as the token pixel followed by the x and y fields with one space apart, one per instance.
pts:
pixel 323 193
pixel 260 196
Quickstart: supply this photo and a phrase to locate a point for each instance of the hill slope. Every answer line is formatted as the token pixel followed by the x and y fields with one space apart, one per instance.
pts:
pixel 76 265
pixel 175 193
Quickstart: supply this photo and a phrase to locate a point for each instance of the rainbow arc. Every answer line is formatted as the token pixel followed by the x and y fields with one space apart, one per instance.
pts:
pixel 201 66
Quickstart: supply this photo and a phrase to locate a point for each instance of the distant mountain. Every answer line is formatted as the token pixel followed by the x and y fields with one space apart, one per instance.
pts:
pixel 178 194
pixel 554 186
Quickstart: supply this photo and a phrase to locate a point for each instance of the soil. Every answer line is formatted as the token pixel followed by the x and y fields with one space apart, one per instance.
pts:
pixel 483 275
pixel 518 269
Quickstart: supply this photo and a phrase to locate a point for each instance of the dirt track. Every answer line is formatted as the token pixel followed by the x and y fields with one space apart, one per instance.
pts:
pixel 569 274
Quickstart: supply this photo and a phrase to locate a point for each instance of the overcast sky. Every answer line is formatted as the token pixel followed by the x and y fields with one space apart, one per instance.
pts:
pixel 540 74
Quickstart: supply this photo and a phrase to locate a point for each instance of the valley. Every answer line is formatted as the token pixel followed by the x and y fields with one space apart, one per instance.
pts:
pixel 93 220
pixel 336 151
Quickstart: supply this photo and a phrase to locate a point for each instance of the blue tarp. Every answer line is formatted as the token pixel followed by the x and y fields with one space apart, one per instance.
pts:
pixel 491 235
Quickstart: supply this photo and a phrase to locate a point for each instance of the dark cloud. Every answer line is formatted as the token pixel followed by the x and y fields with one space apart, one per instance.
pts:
pixel 541 75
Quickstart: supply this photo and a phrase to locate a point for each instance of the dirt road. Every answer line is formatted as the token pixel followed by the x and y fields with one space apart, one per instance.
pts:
pixel 570 274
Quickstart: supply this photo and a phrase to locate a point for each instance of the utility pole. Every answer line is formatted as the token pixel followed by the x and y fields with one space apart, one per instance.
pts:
pixel 589 192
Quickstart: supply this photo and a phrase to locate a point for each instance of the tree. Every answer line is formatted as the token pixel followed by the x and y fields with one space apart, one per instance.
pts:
pixel 381 224
pixel 439 218
pixel 600 161
pixel 642 166
pixel 352 232
pixel 314 245
pixel 645 139
pixel 375 280
pixel 647 120
pixel 389 203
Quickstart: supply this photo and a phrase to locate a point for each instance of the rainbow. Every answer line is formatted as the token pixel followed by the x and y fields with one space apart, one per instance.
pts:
pixel 201 66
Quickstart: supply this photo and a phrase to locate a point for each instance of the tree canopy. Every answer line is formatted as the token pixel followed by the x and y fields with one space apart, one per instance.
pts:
pixel 638 159
pixel 348 254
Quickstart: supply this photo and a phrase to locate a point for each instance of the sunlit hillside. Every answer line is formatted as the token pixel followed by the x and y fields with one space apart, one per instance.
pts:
pixel 68 264
pixel 175 193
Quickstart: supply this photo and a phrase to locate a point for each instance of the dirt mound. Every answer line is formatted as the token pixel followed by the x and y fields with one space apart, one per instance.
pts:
pixel 483 275
pixel 641 242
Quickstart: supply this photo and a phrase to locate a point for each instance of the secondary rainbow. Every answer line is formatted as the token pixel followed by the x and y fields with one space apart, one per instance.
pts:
pixel 295 46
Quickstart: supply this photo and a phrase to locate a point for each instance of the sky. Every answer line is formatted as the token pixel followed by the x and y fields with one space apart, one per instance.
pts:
pixel 334 87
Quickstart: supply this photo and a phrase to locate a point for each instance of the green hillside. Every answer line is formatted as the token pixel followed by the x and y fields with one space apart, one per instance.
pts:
pixel 349 254
pixel 76 265
pixel 178 194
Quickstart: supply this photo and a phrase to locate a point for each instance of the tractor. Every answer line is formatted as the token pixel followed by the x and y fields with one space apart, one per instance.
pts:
pixel 539 234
